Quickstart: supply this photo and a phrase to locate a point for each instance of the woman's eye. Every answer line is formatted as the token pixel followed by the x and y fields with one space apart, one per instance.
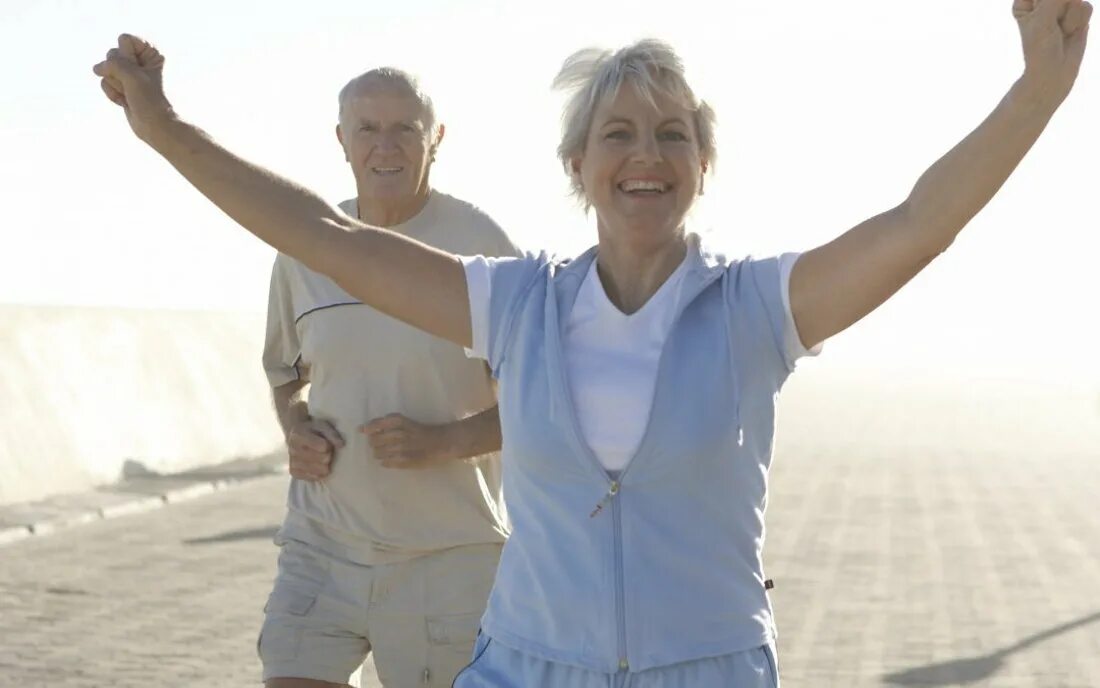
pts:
pixel 618 134
pixel 674 136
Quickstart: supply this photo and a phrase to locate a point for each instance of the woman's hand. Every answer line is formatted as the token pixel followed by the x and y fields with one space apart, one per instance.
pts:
pixel 835 285
pixel 132 78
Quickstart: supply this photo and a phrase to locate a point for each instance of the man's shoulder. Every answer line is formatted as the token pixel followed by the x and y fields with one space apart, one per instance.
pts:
pixel 485 235
pixel 452 207
pixel 306 283
pixel 449 203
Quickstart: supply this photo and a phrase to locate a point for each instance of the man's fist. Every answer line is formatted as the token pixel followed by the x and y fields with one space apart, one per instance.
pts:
pixel 402 443
pixel 311 445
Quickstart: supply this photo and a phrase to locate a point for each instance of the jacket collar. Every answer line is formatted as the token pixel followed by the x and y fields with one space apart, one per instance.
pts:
pixel 704 266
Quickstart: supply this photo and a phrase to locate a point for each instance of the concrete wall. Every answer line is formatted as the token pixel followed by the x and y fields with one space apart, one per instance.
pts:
pixel 83 390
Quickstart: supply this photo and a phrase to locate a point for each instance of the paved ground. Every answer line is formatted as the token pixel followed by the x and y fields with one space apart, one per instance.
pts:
pixel 138 491
pixel 907 570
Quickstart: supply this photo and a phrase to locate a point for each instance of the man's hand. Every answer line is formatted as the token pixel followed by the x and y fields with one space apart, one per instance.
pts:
pixel 402 443
pixel 1054 35
pixel 311 445
pixel 132 78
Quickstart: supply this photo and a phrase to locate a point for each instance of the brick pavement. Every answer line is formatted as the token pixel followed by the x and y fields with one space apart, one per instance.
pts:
pixel 166 598
pixel 927 569
pixel 914 569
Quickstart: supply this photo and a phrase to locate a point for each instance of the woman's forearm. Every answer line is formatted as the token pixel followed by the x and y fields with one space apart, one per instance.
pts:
pixel 285 215
pixel 421 285
pixel 958 185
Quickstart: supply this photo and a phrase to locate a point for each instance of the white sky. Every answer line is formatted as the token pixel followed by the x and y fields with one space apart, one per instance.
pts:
pixel 829 112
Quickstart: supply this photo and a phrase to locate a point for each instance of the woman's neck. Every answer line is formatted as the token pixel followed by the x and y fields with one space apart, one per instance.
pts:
pixel 631 273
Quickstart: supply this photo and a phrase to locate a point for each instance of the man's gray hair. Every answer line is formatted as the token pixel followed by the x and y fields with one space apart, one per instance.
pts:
pixel 592 75
pixel 391 76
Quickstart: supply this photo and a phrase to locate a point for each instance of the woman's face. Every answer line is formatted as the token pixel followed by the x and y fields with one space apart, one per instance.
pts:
pixel 641 167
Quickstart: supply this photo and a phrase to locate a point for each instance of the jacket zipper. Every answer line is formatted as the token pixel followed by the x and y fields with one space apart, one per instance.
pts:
pixel 615 484
pixel 612 490
pixel 620 604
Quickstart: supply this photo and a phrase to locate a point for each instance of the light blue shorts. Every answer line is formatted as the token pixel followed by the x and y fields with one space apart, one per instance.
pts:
pixel 498 666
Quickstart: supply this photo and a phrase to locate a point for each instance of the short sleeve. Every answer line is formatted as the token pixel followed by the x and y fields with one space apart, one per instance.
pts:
pixel 792 341
pixel 478 277
pixel 282 351
pixel 761 301
pixel 497 287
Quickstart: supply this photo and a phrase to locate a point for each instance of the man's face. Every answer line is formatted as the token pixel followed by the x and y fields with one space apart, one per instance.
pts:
pixel 387 142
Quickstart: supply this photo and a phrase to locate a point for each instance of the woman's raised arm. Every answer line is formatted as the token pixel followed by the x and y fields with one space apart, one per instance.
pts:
pixel 420 285
pixel 835 285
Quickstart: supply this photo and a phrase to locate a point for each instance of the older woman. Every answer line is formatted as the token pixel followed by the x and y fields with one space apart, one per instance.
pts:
pixel 638 382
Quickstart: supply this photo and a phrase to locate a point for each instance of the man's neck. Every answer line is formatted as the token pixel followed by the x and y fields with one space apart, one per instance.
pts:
pixel 392 212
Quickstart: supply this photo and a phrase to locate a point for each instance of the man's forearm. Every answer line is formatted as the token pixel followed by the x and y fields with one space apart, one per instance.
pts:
pixel 290 406
pixel 475 435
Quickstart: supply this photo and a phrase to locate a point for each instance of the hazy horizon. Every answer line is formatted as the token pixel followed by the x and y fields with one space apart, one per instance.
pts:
pixel 827 115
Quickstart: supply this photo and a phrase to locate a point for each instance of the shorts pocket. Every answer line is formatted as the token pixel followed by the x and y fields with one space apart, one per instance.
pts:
pixel 451 639
pixel 453 629
pixel 284 622
pixel 290 601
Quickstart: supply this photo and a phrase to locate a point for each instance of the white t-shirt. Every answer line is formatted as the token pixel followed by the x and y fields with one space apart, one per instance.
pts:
pixel 612 358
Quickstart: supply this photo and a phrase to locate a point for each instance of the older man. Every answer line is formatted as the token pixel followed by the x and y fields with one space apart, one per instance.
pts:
pixel 376 557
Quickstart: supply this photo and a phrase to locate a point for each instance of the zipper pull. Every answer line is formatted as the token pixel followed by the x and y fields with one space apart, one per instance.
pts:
pixel 612 490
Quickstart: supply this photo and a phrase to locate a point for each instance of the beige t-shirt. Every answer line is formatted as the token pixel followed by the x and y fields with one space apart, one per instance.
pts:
pixel 364 365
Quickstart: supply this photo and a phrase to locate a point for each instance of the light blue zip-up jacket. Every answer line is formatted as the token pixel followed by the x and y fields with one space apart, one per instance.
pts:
pixel 662 564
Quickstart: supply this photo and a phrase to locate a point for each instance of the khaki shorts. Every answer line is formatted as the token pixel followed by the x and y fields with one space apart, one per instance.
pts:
pixel 419 617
